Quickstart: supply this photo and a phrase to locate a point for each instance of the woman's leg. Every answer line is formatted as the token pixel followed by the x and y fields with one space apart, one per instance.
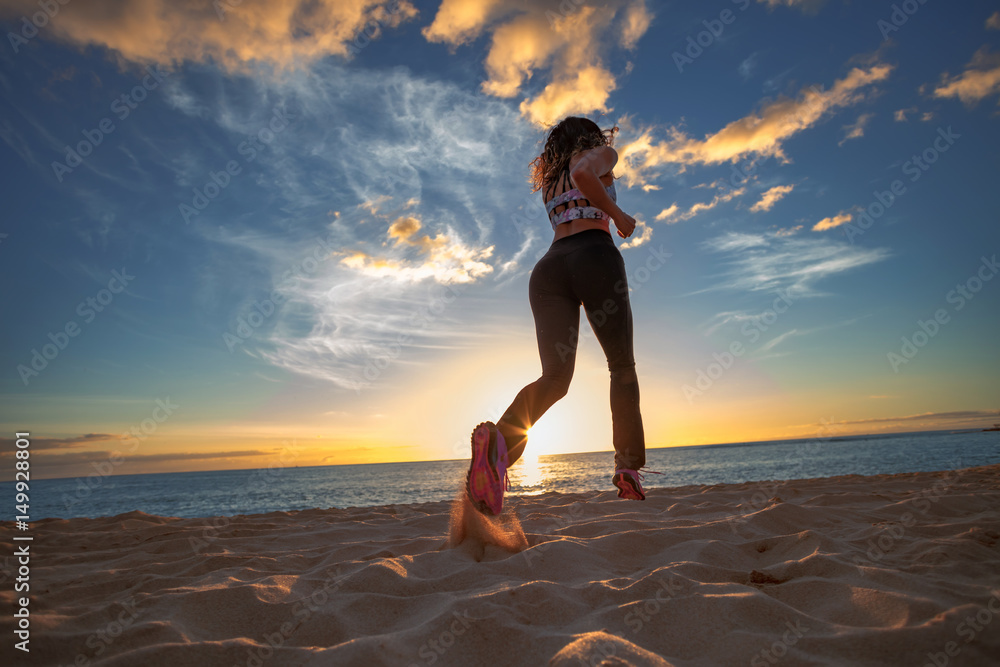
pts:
pixel 600 282
pixel 557 321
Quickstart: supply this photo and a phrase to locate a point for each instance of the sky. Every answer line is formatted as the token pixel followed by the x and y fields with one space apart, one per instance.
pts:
pixel 238 233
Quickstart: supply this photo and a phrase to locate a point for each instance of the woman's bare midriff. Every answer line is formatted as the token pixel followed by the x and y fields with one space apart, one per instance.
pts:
pixel 579 225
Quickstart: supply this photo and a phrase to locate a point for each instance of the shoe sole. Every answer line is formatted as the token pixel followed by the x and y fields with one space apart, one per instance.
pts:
pixel 626 488
pixel 483 445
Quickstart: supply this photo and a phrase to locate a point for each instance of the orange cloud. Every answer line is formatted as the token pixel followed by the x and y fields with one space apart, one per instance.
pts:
pixel 459 21
pixel 443 259
pixel 672 214
pixel 231 33
pixel 564 36
pixel 980 79
pixel 642 234
pixel 771 197
pixel 760 134
pixel 841 218
pixel 635 24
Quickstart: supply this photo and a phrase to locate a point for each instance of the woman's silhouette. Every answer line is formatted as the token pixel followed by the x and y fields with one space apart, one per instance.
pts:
pixel 582 267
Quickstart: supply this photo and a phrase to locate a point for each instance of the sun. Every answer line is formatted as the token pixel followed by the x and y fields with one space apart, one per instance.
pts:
pixel 543 437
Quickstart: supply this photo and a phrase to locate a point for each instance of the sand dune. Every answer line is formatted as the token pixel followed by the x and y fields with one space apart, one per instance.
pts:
pixel 884 570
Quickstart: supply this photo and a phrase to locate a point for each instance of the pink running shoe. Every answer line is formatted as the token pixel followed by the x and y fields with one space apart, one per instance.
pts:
pixel 487 478
pixel 628 484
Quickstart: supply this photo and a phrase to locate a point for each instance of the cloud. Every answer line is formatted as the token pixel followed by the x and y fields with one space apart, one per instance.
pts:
pixel 748 65
pixel 804 5
pixel 427 188
pixel 560 36
pixel 856 130
pixel 771 197
pixel 768 262
pixel 980 79
pixel 993 22
pixel 672 214
pixel 841 218
pixel 958 418
pixel 635 24
pixel 788 231
pixel 777 340
pixel 760 134
pixel 442 258
pixel 61 443
pixel 460 21
pixel 643 233
pixel 233 35
pixel 667 213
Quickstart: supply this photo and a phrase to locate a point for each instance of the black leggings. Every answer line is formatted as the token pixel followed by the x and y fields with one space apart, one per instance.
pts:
pixel 583 268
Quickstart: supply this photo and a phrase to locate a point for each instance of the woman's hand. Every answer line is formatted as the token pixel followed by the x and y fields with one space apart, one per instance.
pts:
pixel 625 224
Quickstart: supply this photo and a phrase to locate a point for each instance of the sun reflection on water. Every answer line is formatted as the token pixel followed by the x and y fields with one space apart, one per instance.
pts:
pixel 527 474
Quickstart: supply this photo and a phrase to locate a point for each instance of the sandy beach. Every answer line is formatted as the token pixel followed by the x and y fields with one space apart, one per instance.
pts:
pixel 883 570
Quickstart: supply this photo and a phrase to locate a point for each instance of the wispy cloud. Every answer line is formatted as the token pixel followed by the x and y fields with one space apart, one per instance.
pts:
pixel 771 197
pixel 760 134
pixel 856 130
pixel 424 197
pixel 61 443
pixel 756 262
pixel 956 419
pixel 805 5
pixel 748 65
pixel 993 22
pixel 980 79
pixel 674 215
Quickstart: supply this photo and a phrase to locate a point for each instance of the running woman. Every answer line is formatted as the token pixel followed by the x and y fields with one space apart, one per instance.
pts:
pixel 582 267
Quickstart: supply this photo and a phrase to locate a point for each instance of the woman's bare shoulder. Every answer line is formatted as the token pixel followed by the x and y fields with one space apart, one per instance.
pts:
pixel 602 159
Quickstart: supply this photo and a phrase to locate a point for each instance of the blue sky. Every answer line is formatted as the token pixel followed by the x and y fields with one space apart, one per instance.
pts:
pixel 322 228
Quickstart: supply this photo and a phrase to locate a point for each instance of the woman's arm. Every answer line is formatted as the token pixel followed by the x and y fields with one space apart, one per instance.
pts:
pixel 586 177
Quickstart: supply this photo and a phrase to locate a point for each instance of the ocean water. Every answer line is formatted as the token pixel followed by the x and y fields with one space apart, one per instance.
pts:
pixel 232 492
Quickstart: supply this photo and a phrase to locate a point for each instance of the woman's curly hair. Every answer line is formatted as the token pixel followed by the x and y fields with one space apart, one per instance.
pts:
pixel 567 138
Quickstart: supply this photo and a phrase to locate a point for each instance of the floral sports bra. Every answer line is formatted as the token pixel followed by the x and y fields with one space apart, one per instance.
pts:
pixel 576 212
